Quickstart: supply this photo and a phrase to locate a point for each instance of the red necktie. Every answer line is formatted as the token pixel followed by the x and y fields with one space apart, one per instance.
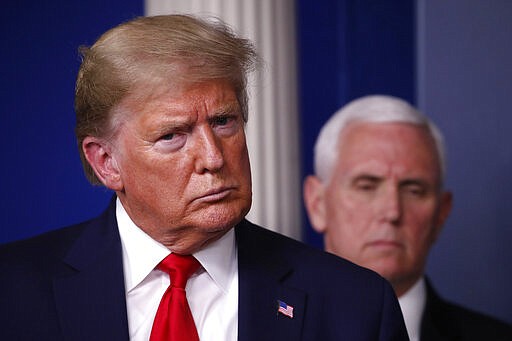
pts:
pixel 173 320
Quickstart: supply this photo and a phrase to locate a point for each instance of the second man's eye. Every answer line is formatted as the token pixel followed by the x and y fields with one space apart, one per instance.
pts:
pixel 366 184
pixel 415 190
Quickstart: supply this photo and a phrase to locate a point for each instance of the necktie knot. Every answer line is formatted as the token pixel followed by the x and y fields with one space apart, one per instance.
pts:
pixel 179 268
pixel 173 320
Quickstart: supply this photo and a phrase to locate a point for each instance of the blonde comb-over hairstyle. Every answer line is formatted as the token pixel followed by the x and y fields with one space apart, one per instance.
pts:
pixel 136 57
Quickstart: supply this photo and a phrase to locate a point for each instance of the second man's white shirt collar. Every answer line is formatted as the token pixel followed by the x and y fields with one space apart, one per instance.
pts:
pixel 412 304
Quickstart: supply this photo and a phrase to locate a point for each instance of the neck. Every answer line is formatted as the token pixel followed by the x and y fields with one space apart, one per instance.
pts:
pixel 402 286
pixel 189 242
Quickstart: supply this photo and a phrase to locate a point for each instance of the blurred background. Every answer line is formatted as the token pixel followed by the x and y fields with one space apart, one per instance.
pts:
pixel 450 58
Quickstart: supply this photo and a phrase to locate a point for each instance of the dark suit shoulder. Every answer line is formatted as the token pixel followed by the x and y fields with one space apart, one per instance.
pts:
pixel 39 251
pixel 444 320
pixel 71 278
pixel 312 259
pixel 343 300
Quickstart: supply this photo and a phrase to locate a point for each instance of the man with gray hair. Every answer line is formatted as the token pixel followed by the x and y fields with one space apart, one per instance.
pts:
pixel 379 199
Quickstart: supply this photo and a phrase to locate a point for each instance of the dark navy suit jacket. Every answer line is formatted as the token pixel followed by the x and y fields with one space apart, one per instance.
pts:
pixel 445 321
pixel 69 285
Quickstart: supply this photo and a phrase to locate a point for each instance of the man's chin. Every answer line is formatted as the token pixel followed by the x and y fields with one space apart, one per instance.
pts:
pixel 219 221
pixel 387 268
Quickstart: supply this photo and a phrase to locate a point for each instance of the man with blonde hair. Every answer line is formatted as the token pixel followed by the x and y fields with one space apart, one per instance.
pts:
pixel 378 197
pixel 161 107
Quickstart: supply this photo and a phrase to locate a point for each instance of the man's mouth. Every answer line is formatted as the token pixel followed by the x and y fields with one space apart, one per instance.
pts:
pixel 214 195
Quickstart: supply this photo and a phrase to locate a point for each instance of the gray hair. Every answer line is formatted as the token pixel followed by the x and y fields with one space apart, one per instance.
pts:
pixel 371 109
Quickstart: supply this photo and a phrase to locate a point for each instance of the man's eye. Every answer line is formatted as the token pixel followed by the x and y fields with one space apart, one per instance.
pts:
pixel 365 185
pixel 167 137
pixel 415 190
pixel 225 125
pixel 222 120
pixel 171 142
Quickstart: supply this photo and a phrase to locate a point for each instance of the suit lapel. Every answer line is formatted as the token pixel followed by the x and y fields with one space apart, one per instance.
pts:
pixel 435 325
pixel 90 294
pixel 262 283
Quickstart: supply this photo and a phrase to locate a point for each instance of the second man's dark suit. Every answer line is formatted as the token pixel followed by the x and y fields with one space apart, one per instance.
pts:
pixel 445 321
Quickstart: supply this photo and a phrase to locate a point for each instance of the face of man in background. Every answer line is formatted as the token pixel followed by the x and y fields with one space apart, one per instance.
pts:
pixel 180 164
pixel 383 208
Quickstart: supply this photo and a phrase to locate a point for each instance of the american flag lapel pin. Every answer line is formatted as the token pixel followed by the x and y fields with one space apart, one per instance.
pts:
pixel 285 309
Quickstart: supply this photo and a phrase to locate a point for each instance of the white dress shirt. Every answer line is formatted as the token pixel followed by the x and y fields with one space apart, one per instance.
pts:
pixel 212 292
pixel 412 304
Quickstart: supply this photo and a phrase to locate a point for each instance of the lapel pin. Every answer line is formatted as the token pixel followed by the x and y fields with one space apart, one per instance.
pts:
pixel 285 309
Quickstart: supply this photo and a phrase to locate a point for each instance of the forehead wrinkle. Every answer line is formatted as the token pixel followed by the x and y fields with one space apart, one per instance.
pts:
pixel 370 167
pixel 221 103
pixel 397 175
pixel 386 170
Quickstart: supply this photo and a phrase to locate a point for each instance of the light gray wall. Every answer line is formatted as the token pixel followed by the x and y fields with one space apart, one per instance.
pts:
pixel 465 85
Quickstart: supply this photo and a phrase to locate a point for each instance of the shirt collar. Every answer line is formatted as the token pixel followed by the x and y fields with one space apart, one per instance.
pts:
pixel 141 254
pixel 412 304
pixel 220 260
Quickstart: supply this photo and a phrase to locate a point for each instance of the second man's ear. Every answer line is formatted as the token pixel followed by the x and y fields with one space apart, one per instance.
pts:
pixel 313 192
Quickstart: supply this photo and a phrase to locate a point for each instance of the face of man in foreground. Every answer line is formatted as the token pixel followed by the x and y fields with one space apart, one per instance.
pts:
pixel 383 208
pixel 180 166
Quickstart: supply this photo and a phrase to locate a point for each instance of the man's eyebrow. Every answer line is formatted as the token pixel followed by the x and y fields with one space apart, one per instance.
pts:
pixel 172 124
pixel 414 181
pixel 366 176
pixel 226 109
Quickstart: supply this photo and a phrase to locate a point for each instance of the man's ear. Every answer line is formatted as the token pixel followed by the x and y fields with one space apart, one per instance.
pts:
pixel 314 200
pixel 445 207
pixel 99 155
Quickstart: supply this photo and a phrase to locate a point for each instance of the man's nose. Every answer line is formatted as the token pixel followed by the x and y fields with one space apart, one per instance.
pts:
pixel 209 153
pixel 391 205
